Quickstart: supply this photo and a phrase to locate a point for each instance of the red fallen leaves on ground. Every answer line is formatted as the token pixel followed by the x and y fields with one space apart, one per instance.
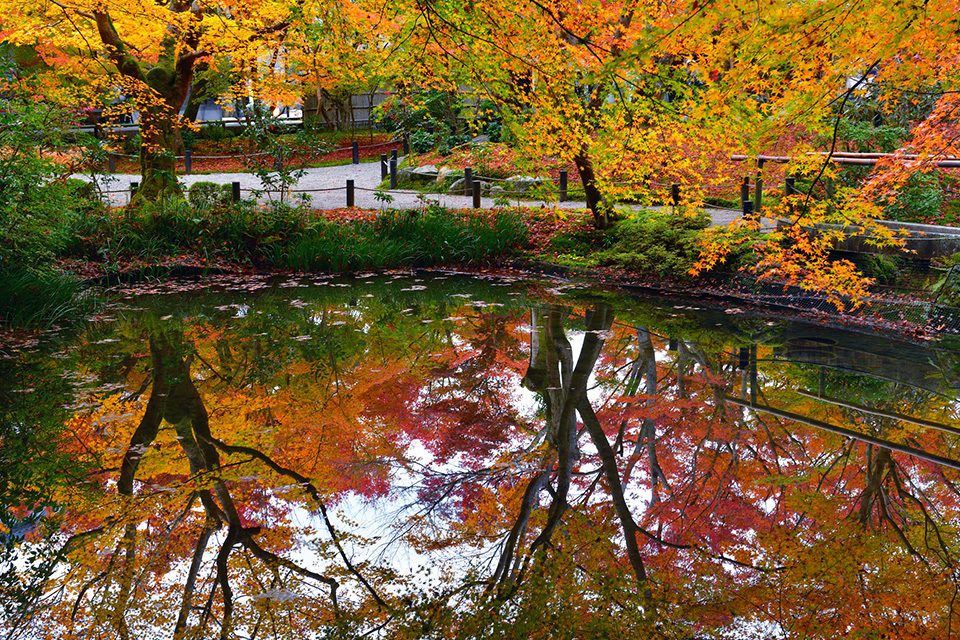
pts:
pixel 234 155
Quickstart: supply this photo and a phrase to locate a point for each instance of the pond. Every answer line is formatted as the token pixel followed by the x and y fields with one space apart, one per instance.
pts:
pixel 443 455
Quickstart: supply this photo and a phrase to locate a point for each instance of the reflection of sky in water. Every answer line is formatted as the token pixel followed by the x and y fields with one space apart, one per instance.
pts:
pixel 332 334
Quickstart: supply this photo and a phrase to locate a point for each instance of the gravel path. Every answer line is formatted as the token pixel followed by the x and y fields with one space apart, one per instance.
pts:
pixel 326 187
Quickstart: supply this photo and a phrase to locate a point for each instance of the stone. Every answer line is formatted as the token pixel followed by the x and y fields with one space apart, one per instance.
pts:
pixel 448 172
pixel 524 183
pixel 426 173
pixel 458 186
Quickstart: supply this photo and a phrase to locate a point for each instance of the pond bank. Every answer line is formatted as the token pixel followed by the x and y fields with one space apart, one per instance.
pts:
pixel 648 252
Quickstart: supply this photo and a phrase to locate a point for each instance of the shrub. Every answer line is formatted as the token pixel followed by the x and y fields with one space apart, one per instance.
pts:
pixel 653 242
pixel 205 195
pixel 172 227
pixel 422 141
pixel 883 269
pixel 920 200
pixel 217 132
pixel 39 210
pixel 406 238
pixel 451 141
pixel 420 110
pixel 863 136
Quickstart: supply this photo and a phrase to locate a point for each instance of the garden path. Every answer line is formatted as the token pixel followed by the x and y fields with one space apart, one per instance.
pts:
pixel 326 187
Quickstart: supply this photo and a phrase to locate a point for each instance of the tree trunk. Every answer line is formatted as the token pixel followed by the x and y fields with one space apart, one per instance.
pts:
pixel 594 199
pixel 159 141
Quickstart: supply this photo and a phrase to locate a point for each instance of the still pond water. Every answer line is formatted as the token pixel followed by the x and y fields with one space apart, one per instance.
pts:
pixel 448 456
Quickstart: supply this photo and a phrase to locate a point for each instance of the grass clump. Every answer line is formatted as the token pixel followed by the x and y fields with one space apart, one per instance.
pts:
pixel 213 230
pixel 36 298
pixel 405 238
pixel 291 237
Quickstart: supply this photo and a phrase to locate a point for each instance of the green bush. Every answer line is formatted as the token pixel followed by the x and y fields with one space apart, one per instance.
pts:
pixel 216 132
pixel 420 110
pixel 452 141
pixel 289 237
pixel 581 242
pixel 863 136
pixel 883 269
pixel 422 141
pixel 920 200
pixel 653 242
pixel 205 195
pixel 38 208
pixel 172 227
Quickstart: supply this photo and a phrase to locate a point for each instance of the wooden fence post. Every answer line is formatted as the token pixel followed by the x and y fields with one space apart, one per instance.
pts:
pixel 134 187
pixel 747 208
pixel 188 161
pixel 111 163
pixel 393 172
pixel 789 187
pixel 675 194
pixel 406 145
pixel 758 189
pixel 563 185
pixel 235 191
pixel 351 194
pixel 384 166
pixel 355 151
pixel 476 194
pixel 467 180
pixel 745 189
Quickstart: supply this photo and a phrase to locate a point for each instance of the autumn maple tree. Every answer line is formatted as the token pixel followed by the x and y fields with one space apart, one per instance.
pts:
pixel 144 57
pixel 640 95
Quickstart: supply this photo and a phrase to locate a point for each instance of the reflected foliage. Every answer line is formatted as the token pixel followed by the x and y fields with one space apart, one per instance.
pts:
pixel 450 457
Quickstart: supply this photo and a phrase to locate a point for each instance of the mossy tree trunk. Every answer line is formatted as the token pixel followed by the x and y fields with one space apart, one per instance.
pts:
pixel 159 93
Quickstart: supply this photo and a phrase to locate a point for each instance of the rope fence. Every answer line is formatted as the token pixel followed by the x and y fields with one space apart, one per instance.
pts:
pixel 189 156
pixel 539 189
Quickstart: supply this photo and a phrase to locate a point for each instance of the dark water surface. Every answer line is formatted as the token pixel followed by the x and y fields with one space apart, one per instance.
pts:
pixel 446 456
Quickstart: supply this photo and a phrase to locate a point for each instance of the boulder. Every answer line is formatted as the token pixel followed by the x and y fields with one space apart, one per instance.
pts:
pixel 448 172
pixel 426 173
pixel 523 183
pixel 458 187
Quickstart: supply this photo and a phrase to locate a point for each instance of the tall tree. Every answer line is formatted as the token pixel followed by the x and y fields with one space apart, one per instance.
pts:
pixel 642 94
pixel 144 55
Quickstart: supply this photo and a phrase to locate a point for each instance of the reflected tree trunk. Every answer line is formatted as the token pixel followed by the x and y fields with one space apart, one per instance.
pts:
pixel 550 354
pixel 175 400
pixel 647 438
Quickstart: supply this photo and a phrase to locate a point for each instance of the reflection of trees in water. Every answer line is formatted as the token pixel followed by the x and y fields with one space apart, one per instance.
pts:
pixel 174 400
pixel 641 500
